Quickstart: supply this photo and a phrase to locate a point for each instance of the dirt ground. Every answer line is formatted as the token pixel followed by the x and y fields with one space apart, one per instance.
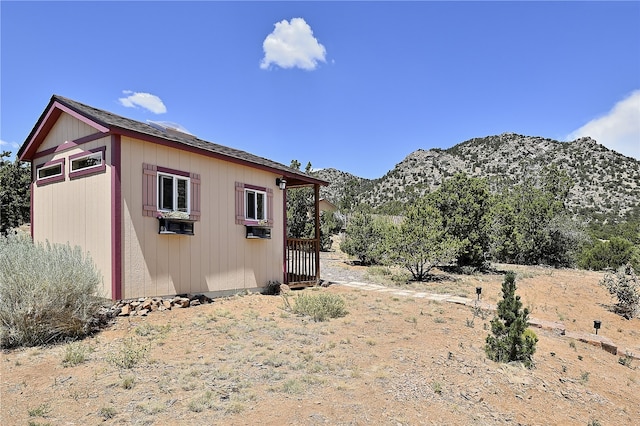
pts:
pixel 392 360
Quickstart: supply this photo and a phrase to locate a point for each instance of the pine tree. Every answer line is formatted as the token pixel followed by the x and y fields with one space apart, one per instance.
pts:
pixel 510 340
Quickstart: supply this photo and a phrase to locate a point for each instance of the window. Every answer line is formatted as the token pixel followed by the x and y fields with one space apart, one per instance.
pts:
pixel 166 190
pixel 255 204
pixel 50 172
pixel 173 193
pixel 86 163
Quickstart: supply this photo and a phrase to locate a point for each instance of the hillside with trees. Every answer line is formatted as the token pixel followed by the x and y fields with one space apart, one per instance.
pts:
pixel 506 198
pixel 606 184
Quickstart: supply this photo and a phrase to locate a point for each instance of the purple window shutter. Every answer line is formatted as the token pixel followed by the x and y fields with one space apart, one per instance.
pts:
pixel 195 196
pixel 149 190
pixel 270 206
pixel 239 203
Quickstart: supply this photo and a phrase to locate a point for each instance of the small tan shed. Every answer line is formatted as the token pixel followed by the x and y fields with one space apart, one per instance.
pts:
pixel 160 211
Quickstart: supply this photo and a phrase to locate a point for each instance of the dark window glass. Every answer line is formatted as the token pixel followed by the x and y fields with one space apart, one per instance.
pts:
pixel 46 172
pixel 251 205
pixel 260 206
pixel 166 192
pixel 86 162
pixel 182 195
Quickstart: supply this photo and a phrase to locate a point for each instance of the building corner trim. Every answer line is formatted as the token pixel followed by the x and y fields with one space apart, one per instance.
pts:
pixel 116 219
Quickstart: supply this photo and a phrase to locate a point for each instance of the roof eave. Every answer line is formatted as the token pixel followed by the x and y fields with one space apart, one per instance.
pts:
pixel 296 178
pixel 47 119
pixel 57 105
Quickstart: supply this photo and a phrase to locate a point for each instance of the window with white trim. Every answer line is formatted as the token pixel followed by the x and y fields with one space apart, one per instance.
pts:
pixel 50 171
pixel 255 204
pixel 88 161
pixel 173 193
pixel 175 196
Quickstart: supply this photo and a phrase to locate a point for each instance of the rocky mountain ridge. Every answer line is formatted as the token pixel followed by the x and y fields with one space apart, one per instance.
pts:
pixel 606 183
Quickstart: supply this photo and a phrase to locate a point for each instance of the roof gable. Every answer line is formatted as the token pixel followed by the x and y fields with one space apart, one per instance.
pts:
pixel 109 123
pixel 45 123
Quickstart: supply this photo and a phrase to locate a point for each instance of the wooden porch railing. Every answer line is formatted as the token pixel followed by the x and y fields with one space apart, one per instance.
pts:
pixel 303 266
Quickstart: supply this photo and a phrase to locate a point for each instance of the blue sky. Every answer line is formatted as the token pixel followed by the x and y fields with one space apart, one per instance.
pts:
pixel 351 85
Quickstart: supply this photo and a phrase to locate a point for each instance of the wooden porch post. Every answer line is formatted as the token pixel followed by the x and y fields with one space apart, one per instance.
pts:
pixel 316 188
pixel 285 278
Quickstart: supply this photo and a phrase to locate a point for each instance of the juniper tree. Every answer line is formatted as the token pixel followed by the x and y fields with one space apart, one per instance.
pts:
pixel 510 340
pixel 14 193
pixel 531 224
pixel 365 237
pixel 464 204
pixel 420 242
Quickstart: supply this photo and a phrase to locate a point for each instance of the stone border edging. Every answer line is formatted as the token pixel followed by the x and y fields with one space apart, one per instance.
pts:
pixel 144 305
pixel 558 328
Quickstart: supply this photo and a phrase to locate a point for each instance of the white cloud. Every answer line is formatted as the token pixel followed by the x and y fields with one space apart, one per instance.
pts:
pixel 292 44
pixel 144 100
pixel 9 146
pixel 619 129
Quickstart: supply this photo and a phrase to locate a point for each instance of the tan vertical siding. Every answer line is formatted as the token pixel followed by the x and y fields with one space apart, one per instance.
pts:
pixel 66 129
pixel 218 257
pixel 75 211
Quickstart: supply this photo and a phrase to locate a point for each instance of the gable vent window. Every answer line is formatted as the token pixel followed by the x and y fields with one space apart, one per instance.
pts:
pixel 87 163
pixel 50 172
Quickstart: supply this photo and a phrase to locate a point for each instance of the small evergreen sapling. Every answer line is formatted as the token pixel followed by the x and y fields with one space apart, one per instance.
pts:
pixel 510 340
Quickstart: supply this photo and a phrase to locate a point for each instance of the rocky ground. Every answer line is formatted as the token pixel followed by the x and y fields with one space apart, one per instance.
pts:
pixel 394 359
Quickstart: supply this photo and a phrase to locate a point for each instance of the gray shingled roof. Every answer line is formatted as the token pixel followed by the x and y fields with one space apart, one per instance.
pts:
pixel 115 122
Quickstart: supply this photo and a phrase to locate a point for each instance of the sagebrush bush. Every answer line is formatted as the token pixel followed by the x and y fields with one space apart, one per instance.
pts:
pixel 48 292
pixel 320 306
pixel 625 286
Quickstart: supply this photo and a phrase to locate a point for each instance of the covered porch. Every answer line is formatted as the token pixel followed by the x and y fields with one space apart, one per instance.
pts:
pixel 301 263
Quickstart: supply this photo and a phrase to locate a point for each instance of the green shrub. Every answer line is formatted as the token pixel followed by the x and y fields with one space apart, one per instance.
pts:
pixel 320 306
pixel 107 413
pixel 47 292
pixel 330 224
pixel 607 254
pixel 365 237
pixel 75 353
pixel 625 286
pixel 129 355
pixel 41 410
pixel 510 339
pixel 203 402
